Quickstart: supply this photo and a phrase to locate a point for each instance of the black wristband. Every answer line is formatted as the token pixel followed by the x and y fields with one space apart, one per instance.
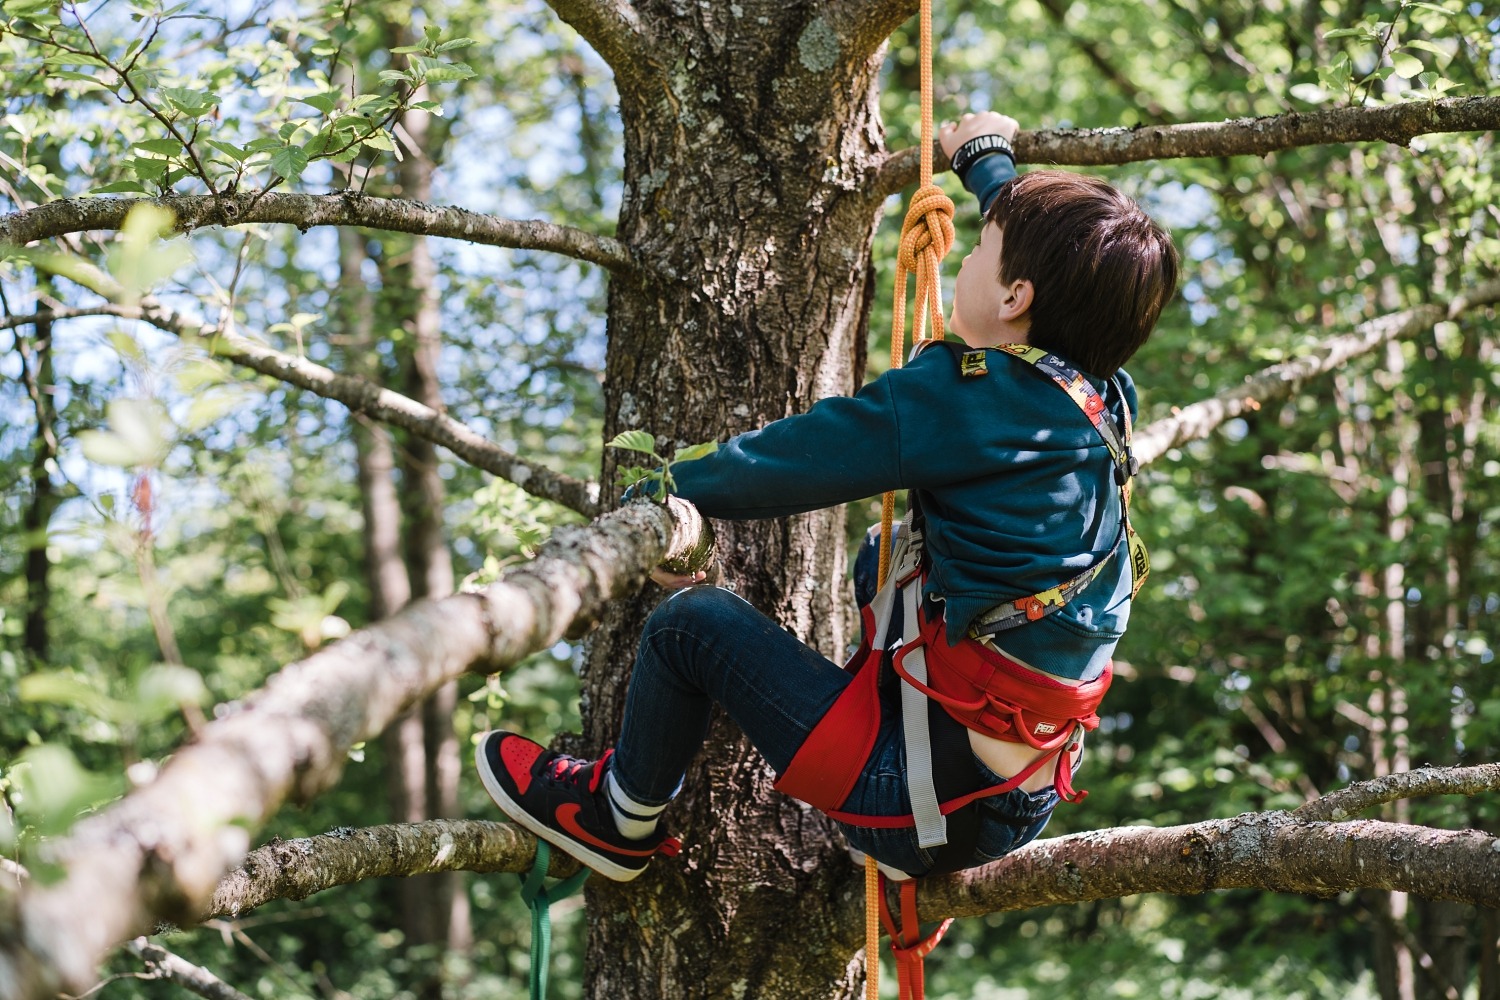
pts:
pixel 979 146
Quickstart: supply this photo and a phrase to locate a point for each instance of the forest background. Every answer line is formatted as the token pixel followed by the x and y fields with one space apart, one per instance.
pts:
pixel 1324 596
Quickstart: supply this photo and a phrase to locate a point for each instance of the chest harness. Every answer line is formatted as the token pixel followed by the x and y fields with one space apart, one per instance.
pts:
pixel 945 690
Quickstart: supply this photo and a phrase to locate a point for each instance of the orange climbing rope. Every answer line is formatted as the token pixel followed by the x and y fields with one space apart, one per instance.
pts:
pixel 926 238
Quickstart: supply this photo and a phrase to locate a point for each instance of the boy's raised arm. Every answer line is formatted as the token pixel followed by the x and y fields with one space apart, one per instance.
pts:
pixel 980 147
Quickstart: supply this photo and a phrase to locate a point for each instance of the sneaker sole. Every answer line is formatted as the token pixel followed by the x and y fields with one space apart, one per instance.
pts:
pixel 598 862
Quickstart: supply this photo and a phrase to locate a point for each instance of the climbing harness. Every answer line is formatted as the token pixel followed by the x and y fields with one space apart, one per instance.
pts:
pixel 539 898
pixel 946 690
pixel 975 685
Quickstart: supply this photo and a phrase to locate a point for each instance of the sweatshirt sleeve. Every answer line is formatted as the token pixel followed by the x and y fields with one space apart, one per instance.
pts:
pixel 843 448
pixel 985 177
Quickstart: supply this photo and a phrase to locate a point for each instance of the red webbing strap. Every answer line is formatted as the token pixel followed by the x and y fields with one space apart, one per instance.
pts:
pixel 908 947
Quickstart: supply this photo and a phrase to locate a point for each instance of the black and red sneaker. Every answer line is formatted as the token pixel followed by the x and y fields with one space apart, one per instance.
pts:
pixel 562 800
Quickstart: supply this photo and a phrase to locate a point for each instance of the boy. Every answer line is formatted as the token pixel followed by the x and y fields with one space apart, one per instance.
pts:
pixel 1017 484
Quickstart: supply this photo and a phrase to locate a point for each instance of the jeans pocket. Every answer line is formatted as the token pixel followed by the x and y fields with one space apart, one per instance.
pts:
pixel 1000 835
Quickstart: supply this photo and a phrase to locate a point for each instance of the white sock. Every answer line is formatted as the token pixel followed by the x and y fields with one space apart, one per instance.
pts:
pixel 632 819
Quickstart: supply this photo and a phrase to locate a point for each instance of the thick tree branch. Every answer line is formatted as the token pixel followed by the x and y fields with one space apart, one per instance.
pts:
pixel 1423 781
pixel 360 395
pixel 864 25
pixel 163 964
pixel 1277 851
pixel 1396 123
pixel 77 215
pixel 159 853
pixel 295 869
pixel 614 29
pixel 1279 381
pixel 1270 851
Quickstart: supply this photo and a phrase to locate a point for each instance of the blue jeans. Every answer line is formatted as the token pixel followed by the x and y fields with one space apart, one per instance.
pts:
pixel 704 645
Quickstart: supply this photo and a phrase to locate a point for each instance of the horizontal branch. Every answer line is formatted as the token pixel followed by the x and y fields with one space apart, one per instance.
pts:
pixel 79 215
pixel 159 853
pixel 296 869
pixel 1275 851
pixel 56 315
pixel 1395 123
pixel 613 29
pixel 1270 851
pixel 358 394
pixel 1422 782
pixel 163 964
pixel 1280 381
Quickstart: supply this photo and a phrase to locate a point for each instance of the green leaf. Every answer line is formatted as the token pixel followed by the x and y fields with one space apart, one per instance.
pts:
pixel 192 103
pixel 148 170
pixel 696 451
pixel 163 147
pixel 634 441
pixel 230 150
pixel 68 74
pixel 1360 32
pixel 211 407
pixel 140 258
pixel 454 43
pixel 395 76
pixel 1432 7
pixel 138 435
pixel 324 102
pixel 61 688
pixel 120 187
pixel 289 162
pixel 380 140
pixel 1423 45
pixel 406 50
pixel 165 688
pixel 53 788
pixel 1407 66
pixel 449 71
pixel 127 346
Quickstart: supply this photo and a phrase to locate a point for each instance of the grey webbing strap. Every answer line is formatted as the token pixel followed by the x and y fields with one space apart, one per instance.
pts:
pixel 932 825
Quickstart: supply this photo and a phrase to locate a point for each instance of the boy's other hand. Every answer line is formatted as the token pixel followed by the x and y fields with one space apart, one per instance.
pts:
pixel 954 134
pixel 675 581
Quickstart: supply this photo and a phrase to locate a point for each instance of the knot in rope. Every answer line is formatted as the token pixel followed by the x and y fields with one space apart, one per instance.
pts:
pixel 927 229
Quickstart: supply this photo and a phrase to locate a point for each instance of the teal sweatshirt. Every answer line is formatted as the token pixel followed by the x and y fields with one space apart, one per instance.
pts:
pixel 1016 485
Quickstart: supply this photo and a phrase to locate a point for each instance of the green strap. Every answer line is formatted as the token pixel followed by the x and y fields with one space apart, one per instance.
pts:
pixel 539 899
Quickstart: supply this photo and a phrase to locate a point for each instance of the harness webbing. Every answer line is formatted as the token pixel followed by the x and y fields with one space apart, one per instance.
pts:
pixel 539 898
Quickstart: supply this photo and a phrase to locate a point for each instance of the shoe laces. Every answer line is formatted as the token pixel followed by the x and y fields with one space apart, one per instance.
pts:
pixel 570 769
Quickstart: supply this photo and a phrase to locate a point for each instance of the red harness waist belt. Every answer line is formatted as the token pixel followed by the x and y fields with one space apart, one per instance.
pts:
pixel 992 694
pixel 977 686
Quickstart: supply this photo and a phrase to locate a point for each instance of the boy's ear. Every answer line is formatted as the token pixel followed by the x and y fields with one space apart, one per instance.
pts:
pixel 1016 301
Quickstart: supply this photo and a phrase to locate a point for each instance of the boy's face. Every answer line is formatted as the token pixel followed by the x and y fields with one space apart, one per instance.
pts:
pixel 985 312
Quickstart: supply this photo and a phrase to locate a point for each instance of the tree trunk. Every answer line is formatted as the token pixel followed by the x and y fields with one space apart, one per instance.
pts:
pixel 38 376
pixel 747 195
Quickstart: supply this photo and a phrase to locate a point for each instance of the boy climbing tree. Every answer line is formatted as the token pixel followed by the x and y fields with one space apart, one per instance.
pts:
pixel 1008 594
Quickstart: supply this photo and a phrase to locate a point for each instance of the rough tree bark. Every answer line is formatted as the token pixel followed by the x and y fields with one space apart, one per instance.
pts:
pixel 752 139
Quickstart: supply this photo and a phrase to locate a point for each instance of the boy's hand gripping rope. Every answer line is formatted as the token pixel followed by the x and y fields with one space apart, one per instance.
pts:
pixel 926 238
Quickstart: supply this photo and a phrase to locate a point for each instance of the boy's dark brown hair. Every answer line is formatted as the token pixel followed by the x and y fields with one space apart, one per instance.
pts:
pixel 1101 269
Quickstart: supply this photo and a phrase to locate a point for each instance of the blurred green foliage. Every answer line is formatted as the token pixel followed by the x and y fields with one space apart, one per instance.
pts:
pixel 1324 604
